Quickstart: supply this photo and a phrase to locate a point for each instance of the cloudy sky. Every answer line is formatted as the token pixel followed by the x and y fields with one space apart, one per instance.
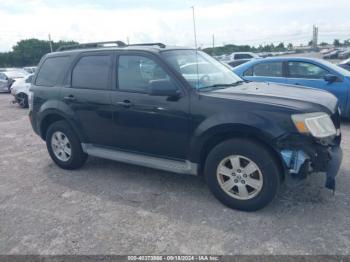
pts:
pixel 236 21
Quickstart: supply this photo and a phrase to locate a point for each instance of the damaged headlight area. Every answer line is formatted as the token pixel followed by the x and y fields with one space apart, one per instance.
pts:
pixel 300 164
pixel 317 150
pixel 318 124
pixel 297 162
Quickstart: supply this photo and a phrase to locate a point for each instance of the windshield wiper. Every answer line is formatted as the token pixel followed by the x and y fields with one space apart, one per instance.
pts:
pixel 220 86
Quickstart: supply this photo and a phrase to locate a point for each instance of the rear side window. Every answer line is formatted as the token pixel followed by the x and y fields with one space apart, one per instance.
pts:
pixel 273 69
pixel 92 72
pixel 51 70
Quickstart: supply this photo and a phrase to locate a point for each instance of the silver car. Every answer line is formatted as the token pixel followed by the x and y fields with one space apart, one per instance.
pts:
pixel 7 78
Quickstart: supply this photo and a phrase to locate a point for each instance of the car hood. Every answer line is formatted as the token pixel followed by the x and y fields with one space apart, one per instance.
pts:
pixel 290 96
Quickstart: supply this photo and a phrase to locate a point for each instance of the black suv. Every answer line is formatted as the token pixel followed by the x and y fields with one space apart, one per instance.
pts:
pixel 180 110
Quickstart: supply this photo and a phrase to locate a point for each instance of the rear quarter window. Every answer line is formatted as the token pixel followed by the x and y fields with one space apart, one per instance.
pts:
pixel 51 70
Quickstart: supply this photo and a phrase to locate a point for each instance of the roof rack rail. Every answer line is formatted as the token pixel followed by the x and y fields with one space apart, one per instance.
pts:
pixel 90 45
pixel 161 45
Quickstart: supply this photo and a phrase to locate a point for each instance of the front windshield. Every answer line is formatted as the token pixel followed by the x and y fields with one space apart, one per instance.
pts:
pixel 200 70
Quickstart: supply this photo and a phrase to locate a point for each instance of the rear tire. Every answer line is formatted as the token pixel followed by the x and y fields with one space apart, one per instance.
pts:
pixel 22 100
pixel 64 146
pixel 242 174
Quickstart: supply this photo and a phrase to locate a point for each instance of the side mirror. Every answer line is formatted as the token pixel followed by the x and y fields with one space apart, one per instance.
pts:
pixel 330 78
pixel 163 87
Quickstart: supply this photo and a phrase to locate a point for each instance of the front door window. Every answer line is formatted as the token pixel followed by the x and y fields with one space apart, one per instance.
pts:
pixel 305 70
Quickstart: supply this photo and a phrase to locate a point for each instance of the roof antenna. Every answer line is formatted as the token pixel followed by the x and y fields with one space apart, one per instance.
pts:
pixel 195 43
pixel 194 27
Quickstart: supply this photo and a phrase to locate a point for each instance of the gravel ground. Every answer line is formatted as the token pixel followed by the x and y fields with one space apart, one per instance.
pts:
pixel 112 208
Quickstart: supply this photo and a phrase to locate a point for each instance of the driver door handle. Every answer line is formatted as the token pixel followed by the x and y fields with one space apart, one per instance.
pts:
pixel 70 98
pixel 125 103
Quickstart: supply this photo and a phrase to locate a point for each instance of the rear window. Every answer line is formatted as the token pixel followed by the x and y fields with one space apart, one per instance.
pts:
pixel 51 70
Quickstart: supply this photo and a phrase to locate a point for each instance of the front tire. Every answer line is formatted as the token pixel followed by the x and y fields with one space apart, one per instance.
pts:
pixel 242 174
pixel 64 146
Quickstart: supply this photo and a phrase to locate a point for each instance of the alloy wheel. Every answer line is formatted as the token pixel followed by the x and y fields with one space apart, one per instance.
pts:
pixel 61 146
pixel 239 177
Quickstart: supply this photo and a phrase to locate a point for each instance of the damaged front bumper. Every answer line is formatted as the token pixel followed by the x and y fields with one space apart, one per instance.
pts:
pixel 336 155
pixel 313 156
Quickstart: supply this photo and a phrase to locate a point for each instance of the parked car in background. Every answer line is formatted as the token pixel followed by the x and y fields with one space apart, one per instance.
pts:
pixel 222 58
pixel 238 62
pixel 326 50
pixel 344 54
pixel 8 77
pixel 265 54
pixel 20 90
pixel 345 64
pixel 5 83
pixel 30 69
pixel 331 55
pixel 308 72
pixel 243 55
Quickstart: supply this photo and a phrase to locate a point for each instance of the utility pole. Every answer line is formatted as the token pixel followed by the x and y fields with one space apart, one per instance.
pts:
pixel 314 37
pixel 50 43
pixel 213 44
pixel 194 27
pixel 127 40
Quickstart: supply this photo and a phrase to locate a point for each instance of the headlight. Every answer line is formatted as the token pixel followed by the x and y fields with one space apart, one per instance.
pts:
pixel 318 124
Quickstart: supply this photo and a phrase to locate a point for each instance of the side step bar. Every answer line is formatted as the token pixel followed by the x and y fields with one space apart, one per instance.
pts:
pixel 181 167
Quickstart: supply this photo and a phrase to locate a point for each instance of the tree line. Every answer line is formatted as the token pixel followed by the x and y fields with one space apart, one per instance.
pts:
pixel 227 49
pixel 29 52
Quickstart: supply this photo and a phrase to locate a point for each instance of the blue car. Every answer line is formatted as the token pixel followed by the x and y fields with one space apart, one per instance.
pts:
pixel 308 72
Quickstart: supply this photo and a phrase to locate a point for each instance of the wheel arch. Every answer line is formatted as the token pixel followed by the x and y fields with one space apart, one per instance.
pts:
pixel 53 116
pixel 225 132
pixel 21 92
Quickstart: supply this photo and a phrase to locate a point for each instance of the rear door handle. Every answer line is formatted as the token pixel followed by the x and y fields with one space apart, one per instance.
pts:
pixel 70 98
pixel 297 84
pixel 125 103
